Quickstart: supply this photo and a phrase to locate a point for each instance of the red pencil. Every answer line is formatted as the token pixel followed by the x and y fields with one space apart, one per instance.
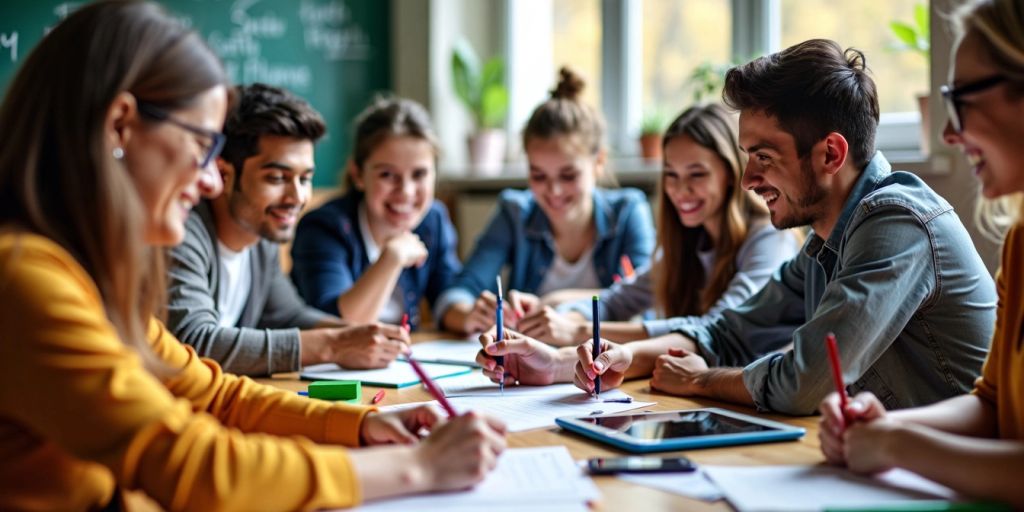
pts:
pixel 837 371
pixel 405 322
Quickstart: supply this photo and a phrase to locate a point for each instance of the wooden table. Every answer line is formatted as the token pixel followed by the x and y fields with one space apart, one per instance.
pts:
pixel 618 494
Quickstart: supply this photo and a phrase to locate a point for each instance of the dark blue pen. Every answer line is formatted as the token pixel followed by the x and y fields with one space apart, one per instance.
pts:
pixel 597 342
pixel 499 325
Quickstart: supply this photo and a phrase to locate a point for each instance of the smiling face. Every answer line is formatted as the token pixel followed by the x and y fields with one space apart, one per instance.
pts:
pixel 991 119
pixel 163 161
pixel 397 181
pixel 696 183
pixel 265 199
pixel 786 182
pixel 562 179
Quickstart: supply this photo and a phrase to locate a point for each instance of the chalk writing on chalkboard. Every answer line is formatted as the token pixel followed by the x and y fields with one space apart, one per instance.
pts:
pixel 9 42
pixel 329 28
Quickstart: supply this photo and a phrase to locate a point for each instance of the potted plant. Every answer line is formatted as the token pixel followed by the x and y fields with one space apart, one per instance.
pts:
pixel 481 88
pixel 706 80
pixel 652 127
pixel 915 37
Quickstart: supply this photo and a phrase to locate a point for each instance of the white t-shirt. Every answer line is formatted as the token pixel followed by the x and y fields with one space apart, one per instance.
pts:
pixel 235 284
pixel 562 274
pixel 393 309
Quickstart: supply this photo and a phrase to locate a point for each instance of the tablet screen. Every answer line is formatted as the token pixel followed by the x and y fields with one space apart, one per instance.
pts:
pixel 671 425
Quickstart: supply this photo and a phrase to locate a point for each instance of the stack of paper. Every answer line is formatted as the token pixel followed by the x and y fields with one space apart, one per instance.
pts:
pixel 797 488
pixel 532 479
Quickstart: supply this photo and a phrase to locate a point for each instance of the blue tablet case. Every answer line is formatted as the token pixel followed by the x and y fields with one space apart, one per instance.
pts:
pixel 636 445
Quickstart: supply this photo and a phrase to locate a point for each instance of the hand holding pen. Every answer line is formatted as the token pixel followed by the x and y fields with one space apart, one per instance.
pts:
pixel 838 413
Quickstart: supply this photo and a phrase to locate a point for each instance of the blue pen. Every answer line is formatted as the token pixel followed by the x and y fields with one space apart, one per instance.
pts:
pixel 499 325
pixel 597 341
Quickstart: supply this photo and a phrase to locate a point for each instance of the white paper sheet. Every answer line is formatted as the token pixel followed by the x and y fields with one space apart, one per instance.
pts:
pixel 525 409
pixel 693 484
pixel 533 479
pixel 461 352
pixel 476 384
pixel 398 374
pixel 798 488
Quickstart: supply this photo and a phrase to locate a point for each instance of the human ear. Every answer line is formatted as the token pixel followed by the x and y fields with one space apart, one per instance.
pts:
pixel 118 124
pixel 227 173
pixel 836 151
pixel 355 175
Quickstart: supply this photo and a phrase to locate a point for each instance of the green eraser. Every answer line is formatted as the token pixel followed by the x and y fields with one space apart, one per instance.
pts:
pixel 348 390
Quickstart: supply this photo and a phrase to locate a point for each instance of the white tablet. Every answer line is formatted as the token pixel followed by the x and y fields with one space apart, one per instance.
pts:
pixel 654 431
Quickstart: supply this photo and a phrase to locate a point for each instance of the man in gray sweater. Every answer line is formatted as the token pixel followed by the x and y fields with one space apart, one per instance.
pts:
pixel 228 297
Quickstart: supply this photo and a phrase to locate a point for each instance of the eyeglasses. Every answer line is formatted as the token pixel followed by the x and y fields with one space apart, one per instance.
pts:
pixel 951 97
pixel 216 139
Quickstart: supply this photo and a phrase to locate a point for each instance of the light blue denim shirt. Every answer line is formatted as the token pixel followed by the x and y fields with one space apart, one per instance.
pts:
pixel 761 253
pixel 899 283
pixel 519 235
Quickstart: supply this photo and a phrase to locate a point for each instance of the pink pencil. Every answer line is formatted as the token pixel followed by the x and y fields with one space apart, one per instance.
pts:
pixel 432 387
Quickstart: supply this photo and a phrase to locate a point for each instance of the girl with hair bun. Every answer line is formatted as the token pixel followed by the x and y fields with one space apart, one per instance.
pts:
pixel 565 232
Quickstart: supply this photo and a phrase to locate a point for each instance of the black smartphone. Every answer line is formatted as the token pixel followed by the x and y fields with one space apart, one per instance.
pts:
pixel 612 465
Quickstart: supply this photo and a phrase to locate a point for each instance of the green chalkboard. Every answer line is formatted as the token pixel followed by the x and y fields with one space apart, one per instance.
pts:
pixel 334 53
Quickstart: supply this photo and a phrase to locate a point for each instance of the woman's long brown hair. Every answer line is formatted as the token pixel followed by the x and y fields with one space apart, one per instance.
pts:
pixel 681 287
pixel 57 177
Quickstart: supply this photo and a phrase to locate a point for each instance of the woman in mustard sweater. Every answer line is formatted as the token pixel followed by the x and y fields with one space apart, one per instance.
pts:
pixel 110 129
pixel 972 443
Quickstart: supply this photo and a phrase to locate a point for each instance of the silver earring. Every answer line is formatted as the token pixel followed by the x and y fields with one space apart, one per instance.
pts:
pixel 118 153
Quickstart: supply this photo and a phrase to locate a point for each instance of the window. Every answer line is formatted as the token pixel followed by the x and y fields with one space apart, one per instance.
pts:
pixel 900 76
pixel 577 43
pixel 678 37
pixel 647 50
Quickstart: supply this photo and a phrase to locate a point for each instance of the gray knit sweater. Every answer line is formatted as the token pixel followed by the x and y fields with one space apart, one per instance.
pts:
pixel 265 339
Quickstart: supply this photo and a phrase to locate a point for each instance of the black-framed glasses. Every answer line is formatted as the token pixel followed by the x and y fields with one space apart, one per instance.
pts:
pixel 216 139
pixel 951 97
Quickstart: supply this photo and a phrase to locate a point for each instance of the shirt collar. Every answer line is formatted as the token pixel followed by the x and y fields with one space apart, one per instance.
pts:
pixel 538 225
pixel 877 169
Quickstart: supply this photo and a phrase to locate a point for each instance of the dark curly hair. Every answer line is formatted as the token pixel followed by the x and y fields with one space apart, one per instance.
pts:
pixel 812 88
pixel 265 110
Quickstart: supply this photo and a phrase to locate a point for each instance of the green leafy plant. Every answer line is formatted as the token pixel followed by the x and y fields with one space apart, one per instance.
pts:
pixel 481 88
pixel 706 80
pixel 654 122
pixel 914 37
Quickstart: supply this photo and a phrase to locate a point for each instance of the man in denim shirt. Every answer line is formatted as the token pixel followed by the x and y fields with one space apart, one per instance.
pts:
pixel 888 266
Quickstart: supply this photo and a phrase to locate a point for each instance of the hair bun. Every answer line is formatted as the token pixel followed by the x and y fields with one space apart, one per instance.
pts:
pixel 855 59
pixel 570 84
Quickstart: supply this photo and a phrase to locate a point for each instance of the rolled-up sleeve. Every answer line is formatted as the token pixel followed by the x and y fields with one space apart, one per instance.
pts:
pixel 885 275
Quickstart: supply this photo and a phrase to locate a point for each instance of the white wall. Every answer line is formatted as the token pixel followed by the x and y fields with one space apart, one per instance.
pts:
pixel 425 31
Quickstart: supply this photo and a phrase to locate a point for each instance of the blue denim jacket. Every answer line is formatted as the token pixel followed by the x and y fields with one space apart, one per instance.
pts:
pixel 519 236
pixel 899 283
pixel 329 255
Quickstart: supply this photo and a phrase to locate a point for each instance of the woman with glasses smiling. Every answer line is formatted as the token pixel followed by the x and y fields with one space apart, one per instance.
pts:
pixel 972 443
pixel 109 132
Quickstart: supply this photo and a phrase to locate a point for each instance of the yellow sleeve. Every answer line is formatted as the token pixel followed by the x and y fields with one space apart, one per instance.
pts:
pixel 986 385
pixel 68 378
pixel 244 404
